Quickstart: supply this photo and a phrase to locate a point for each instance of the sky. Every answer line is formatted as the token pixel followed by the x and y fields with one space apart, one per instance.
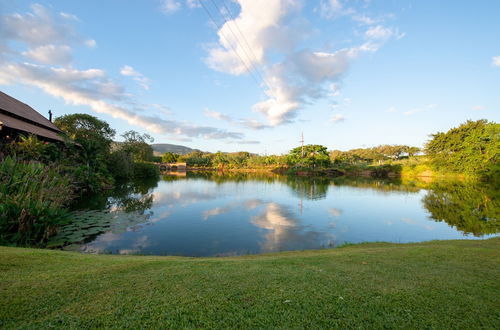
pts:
pixel 253 75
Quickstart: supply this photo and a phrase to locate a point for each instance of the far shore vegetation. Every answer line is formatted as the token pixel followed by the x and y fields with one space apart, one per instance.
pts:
pixel 39 180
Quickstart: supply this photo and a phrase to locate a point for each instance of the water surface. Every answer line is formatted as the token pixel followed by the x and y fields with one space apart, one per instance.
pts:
pixel 210 214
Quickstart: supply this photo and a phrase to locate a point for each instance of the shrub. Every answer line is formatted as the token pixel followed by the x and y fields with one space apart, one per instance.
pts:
pixel 33 198
pixel 145 170
pixel 120 165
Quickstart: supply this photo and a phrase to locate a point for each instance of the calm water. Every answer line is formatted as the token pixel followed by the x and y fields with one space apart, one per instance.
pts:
pixel 211 214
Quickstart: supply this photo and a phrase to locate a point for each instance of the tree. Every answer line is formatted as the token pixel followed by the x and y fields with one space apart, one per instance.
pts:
pixel 89 144
pixel 136 146
pixel 169 157
pixel 86 130
pixel 471 148
pixel 313 155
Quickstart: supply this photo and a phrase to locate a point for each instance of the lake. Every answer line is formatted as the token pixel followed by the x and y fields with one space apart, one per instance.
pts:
pixel 214 214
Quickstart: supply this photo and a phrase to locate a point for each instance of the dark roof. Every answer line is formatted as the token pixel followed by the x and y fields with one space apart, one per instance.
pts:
pixel 20 116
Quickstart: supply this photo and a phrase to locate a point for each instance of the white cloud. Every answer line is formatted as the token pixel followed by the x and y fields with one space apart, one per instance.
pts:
pixel 139 77
pixel 38 28
pixel 379 32
pixel 477 108
pixel 332 8
pixel 364 19
pixel 495 60
pixel 50 54
pixel 69 16
pixel 170 6
pixel 337 118
pixel 91 43
pixel 47 37
pixel 247 123
pixel 217 115
pixel 261 22
pixel 298 75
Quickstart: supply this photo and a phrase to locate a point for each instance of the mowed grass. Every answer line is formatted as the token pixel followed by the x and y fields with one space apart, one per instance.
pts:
pixel 439 284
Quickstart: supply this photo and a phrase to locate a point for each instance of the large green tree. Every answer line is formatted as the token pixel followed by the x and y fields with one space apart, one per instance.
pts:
pixel 86 130
pixel 311 155
pixel 471 148
pixel 89 141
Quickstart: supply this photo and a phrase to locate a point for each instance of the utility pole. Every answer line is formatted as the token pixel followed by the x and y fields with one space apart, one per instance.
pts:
pixel 302 141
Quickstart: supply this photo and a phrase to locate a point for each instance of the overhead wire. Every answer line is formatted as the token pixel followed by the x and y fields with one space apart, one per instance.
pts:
pixel 227 41
pixel 233 20
pixel 237 40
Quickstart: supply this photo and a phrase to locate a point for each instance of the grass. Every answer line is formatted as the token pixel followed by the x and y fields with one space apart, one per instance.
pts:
pixel 439 284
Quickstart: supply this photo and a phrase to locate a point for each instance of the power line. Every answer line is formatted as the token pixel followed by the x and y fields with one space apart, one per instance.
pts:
pixel 237 39
pixel 233 20
pixel 222 36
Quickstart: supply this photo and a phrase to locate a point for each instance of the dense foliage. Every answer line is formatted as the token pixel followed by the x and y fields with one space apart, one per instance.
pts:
pixel 373 155
pixel 470 207
pixel 472 148
pixel 311 155
pixel 33 197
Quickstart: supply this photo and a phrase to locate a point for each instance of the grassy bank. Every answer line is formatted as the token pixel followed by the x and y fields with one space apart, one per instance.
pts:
pixel 441 284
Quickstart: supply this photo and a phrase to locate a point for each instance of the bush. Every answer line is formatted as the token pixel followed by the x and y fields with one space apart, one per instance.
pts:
pixel 120 165
pixel 33 198
pixel 145 170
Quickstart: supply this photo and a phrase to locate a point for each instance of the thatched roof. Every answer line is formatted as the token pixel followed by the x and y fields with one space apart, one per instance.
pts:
pixel 20 116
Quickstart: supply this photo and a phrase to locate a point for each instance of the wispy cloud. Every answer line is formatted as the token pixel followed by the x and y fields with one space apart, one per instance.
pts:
pixel 417 110
pixel 170 6
pixel 246 123
pixel 139 77
pixel 46 38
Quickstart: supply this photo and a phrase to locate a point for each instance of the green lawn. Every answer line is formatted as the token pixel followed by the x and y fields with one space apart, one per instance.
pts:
pixel 440 284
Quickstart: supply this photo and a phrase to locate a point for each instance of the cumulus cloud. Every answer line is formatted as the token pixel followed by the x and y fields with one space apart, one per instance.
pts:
pixel 170 6
pixel 300 75
pixel 46 37
pixel 261 23
pixel 139 77
pixel 495 61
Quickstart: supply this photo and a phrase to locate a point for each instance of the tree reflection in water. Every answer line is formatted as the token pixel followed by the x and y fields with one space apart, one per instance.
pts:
pixel 472 208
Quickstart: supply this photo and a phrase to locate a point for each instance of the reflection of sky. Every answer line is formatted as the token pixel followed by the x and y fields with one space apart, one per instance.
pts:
pixel 199 217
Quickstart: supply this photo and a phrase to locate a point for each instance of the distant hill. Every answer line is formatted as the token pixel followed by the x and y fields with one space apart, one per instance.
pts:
pixel 161 148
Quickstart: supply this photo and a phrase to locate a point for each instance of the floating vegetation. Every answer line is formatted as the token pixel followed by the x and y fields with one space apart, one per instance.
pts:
pixel 87 225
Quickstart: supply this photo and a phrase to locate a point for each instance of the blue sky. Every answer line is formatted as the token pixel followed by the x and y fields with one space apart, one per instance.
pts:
pixel 254 74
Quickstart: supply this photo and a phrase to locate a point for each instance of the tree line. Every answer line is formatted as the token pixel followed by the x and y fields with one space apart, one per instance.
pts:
pixel 471 149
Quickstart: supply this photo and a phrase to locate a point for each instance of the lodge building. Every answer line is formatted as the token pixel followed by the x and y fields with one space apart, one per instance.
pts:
pixel 18 118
